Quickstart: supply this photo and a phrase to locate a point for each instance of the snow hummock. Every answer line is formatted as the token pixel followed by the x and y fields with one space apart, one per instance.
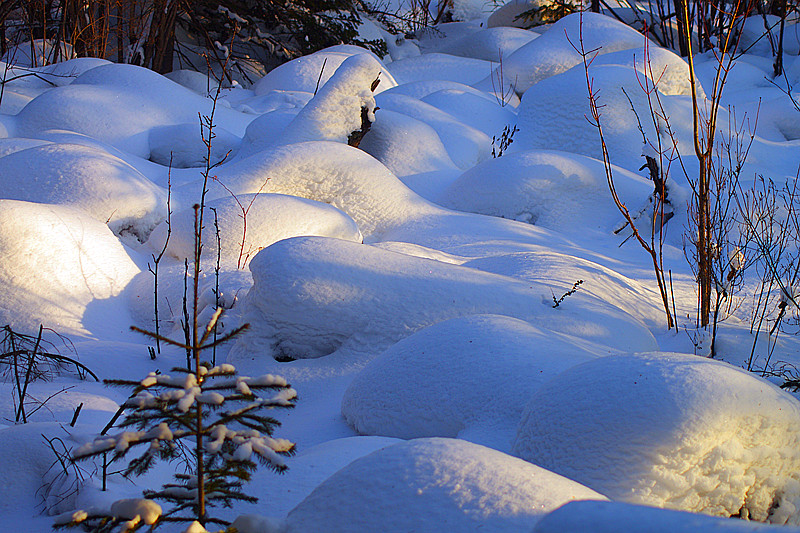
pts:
pixel 101 185
pixel 336 110
pixel 311 294
pixel 54 262
pixel 670 430
pixel 557 190
pixel 553 53
pixel 424 484
pixel 476 371
pixel 268 218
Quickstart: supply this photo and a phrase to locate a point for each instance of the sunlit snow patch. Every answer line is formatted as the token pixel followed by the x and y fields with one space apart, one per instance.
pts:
pixel 670 430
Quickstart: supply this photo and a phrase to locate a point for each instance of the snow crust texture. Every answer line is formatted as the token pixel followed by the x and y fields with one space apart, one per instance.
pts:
pixel 670 430
pixel 434 483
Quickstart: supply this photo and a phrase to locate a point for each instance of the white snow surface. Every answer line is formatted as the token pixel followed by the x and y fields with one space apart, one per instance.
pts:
pixel 248 223
pixel 611 517
pixel 479 370
pixel 58 266
pixel 89 179
pixel 670 430
pixel 311 294
pixel 434 482
pixel 409 318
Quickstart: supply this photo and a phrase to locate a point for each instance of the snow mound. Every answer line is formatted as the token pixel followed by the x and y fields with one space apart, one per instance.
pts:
pixel 560 271
pixel 413 151
pixel 182 145
pixel 725 441
pixel 270 218
pixel 441 67
pixel 552 53
pixel 309 73
pixel 92 180
pixel 311 294
pixel 666 67
pixel 312 466
pixel 329 172
pixel 553 114
pixel 427 484
pixel 54 262
pixel 435 382
pixel 487 115
pixel 336 110
pixel 421 89
pixel 557 190
pixel 467 146
pixel 119 104
pixel 612 517
pixel 492 44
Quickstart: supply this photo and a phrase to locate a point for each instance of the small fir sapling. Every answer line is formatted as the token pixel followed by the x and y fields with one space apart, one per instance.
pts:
pixel 213 413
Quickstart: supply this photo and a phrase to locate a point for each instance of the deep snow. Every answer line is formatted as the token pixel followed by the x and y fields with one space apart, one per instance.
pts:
pixel 415 287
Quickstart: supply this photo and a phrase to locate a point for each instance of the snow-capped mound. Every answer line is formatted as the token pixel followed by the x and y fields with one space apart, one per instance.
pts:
pixel 612 517
pixel 435 382
pixel 54 262
pixel 421 89
pixel 552 53
pixel 409 147
pixel 441 67
pixel 466 145
pixel 487 115
pixel 557 190
pixel 280 494
pixel 119 104
pixel 425 484
pixel 269 218
pixel 561 271
pixel 182 145
pixel 553 114
pixel 311 72
pixel 329 172
pixel 492 44
pixel 92 180
pixel 670 430
pixel 668 69
pixel 311 294
pixel 340 106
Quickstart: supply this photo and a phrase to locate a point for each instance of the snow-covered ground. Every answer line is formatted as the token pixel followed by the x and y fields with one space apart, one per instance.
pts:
pixel 409 289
